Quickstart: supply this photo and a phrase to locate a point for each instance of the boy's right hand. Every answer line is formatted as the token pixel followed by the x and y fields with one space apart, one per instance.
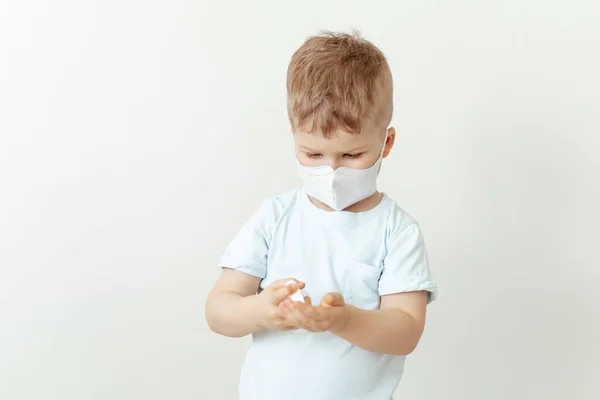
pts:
pixel 270 315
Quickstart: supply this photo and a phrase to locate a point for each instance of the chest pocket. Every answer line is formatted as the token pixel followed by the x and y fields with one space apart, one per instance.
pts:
pixel 362 286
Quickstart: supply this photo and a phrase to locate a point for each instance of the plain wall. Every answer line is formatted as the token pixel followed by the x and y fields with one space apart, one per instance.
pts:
pixel 137 136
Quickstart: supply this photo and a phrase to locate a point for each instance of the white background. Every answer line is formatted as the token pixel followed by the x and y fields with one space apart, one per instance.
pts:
pixel 137 136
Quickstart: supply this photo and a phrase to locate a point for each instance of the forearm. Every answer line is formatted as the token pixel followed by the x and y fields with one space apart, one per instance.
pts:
pixel 388 331
pixel 231 314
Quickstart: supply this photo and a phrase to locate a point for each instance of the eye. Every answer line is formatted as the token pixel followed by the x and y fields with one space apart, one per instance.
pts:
pixel 314 155
pixel 353 156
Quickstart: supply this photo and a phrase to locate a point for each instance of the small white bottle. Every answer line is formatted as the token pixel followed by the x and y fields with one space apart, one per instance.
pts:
pixel 297 295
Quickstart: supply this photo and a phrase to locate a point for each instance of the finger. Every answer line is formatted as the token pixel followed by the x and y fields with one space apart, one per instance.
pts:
pixel 313 324
pixel 285 325
pixel 293 316
pixel 287 305
pixel 289 328
pixel 332 300
pixel 312 312
pixel 291 311
pixel 299 316
pixel 323 313
pixel 275 314
pixel 282 282
pixel 308 312
pixel 299 310
pixel 307 300
pixel 283 309
pixel 303 321
pixel 297 304
pixel 280 294
pixel 309 326
pixel 292 321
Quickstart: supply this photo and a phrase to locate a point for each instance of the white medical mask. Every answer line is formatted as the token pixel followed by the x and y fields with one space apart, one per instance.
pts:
pixel 342 187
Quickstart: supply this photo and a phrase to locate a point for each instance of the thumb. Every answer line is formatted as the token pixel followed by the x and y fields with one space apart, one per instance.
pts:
pixel 277 295
pixel 282 282
pixel 332 300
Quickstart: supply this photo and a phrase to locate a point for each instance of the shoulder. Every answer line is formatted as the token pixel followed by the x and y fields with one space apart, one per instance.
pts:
pixel 275 207
pixel 398 220
pixel 283 200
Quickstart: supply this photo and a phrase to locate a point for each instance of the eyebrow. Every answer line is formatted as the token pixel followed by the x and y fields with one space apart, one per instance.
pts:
pixel 307 150
pixel 357 149
pixel 351 151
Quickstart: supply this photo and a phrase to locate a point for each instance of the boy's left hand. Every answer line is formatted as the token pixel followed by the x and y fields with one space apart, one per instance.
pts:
pixel 330 314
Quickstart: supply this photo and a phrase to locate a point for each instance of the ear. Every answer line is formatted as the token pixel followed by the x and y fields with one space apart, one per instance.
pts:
pixel 389 142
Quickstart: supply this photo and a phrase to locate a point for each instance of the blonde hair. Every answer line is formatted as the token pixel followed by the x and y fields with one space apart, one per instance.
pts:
pixel 338 81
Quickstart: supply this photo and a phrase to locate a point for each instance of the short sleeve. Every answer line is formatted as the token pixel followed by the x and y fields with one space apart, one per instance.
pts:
pixel 405 267
pixel 249 249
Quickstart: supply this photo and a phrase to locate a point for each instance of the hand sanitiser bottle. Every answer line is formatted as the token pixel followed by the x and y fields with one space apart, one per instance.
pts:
pixel 297 295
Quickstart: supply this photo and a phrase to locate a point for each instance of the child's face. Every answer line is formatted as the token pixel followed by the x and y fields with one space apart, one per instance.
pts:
pixel 342 149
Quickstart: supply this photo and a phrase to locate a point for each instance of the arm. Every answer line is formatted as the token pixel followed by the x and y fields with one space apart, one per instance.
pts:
pixel 233 309
pixel 230 306
pixel 395 328
pixel 405 287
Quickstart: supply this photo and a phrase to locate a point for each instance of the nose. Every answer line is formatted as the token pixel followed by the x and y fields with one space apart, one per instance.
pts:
pixel 333 163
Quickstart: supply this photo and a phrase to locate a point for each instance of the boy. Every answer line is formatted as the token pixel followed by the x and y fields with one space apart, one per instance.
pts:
pixel 360 257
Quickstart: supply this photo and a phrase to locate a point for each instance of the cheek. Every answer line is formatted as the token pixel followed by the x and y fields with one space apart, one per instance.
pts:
pixel 365 162
pixel 302 158
pixel 306 161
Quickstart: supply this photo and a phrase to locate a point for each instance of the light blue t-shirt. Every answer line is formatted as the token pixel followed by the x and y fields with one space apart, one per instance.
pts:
pixel 362 256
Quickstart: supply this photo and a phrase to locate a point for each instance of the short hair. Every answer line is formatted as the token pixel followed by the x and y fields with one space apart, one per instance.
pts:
pixel 338 81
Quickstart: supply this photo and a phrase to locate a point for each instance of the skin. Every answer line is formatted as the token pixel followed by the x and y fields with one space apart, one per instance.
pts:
pixel 234 309
pixel 359 151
